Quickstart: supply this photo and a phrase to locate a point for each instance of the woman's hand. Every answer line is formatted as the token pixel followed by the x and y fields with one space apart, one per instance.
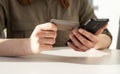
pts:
pixel 43 37
pixel 83 40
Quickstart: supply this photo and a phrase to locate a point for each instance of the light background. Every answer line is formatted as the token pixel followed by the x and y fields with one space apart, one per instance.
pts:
pixel 109 9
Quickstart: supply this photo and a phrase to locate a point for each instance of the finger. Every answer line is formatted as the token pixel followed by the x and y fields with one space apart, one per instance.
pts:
pixel 70 44
pixel 49 34
pixel 47 26
pixel 89 35
pixel 83 40
pixel 48 41
pixel 46 47
pixel 77 43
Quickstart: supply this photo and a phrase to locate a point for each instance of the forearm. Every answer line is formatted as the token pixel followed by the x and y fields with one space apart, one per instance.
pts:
pixel 14 47
pixel 103 42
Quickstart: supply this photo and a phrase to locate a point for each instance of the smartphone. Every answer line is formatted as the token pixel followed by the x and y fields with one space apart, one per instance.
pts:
pixel 93 25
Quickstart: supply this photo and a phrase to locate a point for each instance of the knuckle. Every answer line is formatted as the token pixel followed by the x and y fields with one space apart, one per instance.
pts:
pixel 54 34
pixel 91 36
pixel 53 27
pixel 85 42
pixel 37 27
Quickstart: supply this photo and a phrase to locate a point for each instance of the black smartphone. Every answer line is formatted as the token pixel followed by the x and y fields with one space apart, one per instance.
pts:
pixel 93 25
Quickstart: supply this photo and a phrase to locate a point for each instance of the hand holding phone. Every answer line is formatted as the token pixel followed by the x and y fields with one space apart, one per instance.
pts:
pixel 93 25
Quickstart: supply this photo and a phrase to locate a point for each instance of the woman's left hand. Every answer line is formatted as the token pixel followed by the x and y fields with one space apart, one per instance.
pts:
pixel 82 40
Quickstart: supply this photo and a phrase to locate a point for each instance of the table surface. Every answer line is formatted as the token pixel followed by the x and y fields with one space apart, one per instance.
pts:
pixel 63 60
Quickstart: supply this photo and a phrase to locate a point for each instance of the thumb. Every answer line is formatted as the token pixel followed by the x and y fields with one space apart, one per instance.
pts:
pixel 48 26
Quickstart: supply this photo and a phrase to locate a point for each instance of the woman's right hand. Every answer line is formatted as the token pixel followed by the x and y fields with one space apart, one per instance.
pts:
pixel 43 37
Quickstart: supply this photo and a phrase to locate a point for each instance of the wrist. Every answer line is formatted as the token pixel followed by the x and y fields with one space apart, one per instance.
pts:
pixel 31 46
pixel 104 41
pixel 28 50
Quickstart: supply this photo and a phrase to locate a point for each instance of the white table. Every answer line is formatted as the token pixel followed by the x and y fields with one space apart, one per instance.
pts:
pixel 63 60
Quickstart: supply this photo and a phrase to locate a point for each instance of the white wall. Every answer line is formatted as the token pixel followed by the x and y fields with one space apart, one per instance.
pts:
pixel 109 9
